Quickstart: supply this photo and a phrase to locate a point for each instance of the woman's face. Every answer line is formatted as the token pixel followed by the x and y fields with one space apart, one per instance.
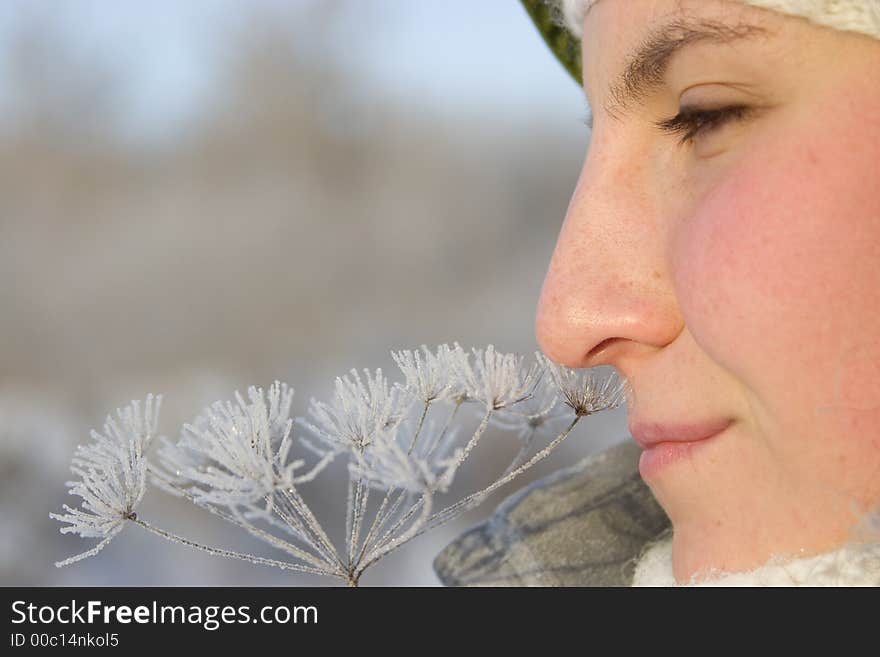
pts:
pixel 735 277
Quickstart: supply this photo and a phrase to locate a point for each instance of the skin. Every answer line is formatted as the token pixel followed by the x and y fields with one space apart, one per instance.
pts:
pixel 737 276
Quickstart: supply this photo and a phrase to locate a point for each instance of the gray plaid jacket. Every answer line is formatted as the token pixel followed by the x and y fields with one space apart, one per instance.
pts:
pixel 585 525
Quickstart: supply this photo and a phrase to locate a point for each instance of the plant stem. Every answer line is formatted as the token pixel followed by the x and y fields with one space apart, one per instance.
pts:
pixel 444 516
pixel 219 552
pixel 418 429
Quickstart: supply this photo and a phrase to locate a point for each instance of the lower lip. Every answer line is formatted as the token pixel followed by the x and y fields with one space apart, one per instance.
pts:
pixel 656 458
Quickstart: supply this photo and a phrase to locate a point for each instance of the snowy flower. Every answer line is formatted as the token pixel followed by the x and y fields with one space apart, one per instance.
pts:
pixel 433 380
pixel 172 463
pixel 583 391
pixel 389 462
pixel 236 452
pixel 356 414
pixel 534 414
pixel 113 475
pixel 497 380
pixel 234 461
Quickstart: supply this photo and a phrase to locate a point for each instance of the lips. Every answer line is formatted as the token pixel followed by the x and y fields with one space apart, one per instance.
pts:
pixel 648 434
pixel 664 444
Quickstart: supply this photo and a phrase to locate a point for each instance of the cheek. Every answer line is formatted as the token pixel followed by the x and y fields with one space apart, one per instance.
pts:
pixel 778 268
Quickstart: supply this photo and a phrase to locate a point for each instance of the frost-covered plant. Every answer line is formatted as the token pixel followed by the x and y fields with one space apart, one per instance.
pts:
pixel 113 476
pixel 235 458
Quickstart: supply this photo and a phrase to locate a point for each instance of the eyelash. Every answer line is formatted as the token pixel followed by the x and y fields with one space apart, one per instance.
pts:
pixel 693 121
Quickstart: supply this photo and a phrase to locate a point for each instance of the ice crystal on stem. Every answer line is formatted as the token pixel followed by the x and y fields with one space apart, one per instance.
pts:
pixel 401 442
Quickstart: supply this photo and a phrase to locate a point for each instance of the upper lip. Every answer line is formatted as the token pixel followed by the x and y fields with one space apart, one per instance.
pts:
pixel 648 434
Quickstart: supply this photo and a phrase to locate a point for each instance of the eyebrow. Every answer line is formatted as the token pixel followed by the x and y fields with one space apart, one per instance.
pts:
pixel 647 64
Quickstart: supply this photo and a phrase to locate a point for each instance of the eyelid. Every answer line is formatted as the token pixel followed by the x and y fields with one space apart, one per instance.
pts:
pixel 696 120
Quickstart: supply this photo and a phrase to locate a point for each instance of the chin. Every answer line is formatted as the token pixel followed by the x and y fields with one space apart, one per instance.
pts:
pixel 733 538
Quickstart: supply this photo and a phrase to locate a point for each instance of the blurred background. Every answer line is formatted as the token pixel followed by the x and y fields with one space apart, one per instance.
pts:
pixel 196 197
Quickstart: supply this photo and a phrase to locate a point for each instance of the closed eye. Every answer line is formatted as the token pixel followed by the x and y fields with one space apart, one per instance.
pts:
pixel 693 121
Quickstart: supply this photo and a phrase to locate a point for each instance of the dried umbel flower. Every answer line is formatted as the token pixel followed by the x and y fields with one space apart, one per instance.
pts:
pixel 113 475
pixel 583 391
pixel 534 413
pixel 393 461
pixel 533 417
pixel 496 380
pixel 236 453
pixel 235 459
pixel 358 411
pixel 434 379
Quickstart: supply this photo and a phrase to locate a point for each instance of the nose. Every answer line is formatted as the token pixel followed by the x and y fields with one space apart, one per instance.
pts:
pixel 608 294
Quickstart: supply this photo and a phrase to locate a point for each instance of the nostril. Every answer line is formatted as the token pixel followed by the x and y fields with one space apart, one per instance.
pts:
pixel 596 351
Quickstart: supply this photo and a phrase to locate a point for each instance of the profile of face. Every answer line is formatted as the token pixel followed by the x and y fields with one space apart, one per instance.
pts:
pixel 728 266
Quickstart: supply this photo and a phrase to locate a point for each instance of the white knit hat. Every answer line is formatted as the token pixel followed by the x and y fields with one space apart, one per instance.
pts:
pixel 853 15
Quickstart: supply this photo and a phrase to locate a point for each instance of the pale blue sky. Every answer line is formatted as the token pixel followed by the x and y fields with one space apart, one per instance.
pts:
pixel 470 56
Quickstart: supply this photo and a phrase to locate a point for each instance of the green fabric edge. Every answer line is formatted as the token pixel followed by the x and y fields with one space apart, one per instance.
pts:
pixel 563 43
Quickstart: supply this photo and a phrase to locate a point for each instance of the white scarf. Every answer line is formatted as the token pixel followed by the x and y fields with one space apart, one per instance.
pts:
pixel 855 564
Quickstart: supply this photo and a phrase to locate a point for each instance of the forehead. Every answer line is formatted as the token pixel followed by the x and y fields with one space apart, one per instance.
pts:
pixel 627 44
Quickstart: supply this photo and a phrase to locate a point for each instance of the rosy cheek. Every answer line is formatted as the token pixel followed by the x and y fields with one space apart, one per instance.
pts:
pixel 778 264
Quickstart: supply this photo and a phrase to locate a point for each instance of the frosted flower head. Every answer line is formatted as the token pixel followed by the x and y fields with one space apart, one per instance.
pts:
pixel 237 452
pixel 172 463
pixel 497 380
pixel 583 391
pixel 358 412
pixel 394 461
pixel 536 413
pixel 112 471
pixel 434 379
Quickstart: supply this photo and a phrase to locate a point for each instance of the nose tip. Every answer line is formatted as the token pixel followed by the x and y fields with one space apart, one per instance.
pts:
pixel 589 316
pixel 570 337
